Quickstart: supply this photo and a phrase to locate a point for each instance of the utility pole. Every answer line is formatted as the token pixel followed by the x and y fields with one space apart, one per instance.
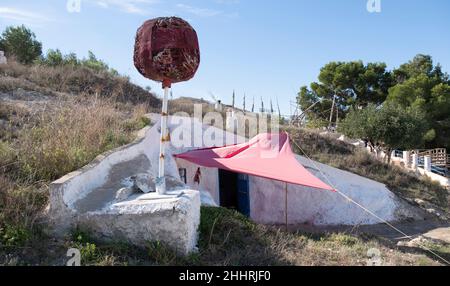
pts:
pixel 332 109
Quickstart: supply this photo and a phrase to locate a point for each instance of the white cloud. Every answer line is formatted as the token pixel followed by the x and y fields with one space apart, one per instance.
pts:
pixel 228 2
pixel 127 6
pixel 201 12
pixel 23 16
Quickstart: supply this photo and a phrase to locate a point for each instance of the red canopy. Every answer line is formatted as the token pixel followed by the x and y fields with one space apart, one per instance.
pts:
pixel 267 155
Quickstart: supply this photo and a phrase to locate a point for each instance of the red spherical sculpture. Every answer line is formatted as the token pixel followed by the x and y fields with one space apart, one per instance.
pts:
pixel 167 50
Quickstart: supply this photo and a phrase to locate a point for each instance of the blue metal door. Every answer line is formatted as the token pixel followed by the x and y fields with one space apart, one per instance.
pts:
pixel 243 194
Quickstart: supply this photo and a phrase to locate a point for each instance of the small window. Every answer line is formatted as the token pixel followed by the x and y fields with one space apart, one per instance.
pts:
pixel 183 176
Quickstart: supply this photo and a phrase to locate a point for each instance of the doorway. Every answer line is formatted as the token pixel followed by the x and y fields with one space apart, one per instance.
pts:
pixel 234 191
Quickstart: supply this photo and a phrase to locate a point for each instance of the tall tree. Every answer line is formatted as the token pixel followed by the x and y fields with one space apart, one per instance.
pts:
pixel 21 43
pixel 351 83
pixel 386 127
pixel 422 85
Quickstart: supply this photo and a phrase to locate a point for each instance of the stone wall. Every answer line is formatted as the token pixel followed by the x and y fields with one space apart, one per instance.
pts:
pixel 87 198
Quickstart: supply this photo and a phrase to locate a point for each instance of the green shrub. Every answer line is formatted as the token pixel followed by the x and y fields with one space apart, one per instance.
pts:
pixel 21 43
pixel 343 239
pixel 11 235
pixel 317 123
pixel 53 58
pixel 161 254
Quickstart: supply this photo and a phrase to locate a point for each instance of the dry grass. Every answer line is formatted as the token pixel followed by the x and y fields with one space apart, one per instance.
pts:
pixel 186 105
pixel 55 121
pixel 43 144
pixel 229 239
pixel 68 135
pixel 20 209
pixel 76 80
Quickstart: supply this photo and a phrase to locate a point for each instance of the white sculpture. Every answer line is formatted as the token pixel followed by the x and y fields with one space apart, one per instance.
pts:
pixel 3 58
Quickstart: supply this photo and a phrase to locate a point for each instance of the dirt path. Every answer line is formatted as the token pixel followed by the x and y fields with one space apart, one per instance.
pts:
pixel 431 228
pixel 412 229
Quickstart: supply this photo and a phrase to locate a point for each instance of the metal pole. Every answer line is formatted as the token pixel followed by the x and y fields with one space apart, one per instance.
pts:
pixel 337 116
pixel 332 109
pixel 161 181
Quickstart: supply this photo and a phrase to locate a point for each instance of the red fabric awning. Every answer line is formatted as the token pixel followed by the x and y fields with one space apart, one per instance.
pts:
pixel 267 155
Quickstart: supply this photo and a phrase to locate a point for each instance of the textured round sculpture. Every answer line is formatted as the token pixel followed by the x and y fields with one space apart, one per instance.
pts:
pixel 167 50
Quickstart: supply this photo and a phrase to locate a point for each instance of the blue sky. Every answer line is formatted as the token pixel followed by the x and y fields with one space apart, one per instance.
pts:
pixel 258 47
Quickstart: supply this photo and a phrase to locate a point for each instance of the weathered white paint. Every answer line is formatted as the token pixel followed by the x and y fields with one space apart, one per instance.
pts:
pixel 209 180
pixel 231 123
pixel 415 161
pixel 319 207
pixel 3 59
pixel 306 205
pixel 173 220
pixel 406 158
pixel 427 163
pixel 192 127
pixel 160 182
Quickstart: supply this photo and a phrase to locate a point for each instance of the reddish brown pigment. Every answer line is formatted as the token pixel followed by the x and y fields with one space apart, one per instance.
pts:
pixel 167 50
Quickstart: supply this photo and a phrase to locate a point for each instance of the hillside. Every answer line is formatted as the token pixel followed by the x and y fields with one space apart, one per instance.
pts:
pixel 328 150
pixel 57 119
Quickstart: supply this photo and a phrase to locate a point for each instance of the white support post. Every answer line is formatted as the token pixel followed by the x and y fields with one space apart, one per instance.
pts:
pixel 415 161
pixel 406 158
pixel 3 59
pixel 161 180
pixel 427 163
